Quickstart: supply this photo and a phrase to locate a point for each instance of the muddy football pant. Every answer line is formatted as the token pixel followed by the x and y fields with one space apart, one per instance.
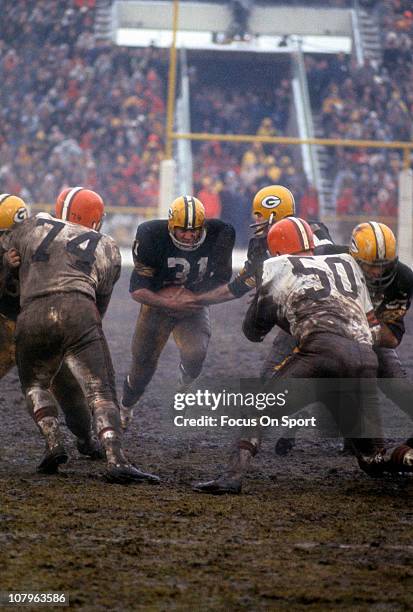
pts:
pixel 65 327
pixel 65 387
pixel 153 328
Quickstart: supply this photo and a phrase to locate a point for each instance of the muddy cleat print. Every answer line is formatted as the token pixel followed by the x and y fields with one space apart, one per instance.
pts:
pixel 51 460
pixel 125 473
pixel 223 485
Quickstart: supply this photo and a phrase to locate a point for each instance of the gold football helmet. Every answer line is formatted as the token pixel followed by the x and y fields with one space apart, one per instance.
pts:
pixel 12 210
pixel 187 213
pixel 271 204
pixel 373 246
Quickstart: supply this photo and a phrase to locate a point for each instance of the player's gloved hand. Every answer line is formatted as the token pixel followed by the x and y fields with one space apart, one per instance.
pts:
pixel 257 253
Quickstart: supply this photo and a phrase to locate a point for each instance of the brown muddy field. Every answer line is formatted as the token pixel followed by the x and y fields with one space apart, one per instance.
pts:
pixel 310 531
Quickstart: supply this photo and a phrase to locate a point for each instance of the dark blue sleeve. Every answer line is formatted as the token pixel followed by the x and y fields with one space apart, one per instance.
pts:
pixel 144 261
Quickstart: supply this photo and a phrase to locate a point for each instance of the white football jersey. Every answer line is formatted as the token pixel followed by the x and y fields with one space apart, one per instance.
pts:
pixel 59 256
pixel 320 293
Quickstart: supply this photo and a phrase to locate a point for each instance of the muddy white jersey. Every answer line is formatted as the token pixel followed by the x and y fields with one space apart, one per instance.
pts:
pixel 318 293
pixel 59 256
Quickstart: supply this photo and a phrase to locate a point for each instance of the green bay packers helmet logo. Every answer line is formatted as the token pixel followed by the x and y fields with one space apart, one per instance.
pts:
pixel 271 201
pixel 12 210
pixel 20 215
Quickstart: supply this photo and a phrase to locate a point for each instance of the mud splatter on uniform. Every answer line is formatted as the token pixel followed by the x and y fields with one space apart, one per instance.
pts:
pixel 65 387
pixel 66 279
pixel 159 263
pixel 323 301
pixel 306 295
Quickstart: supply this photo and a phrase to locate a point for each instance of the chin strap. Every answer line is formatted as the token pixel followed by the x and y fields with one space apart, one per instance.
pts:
pixel 261 226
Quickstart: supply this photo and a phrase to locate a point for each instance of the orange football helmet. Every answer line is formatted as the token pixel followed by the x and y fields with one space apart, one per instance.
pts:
pixel 289 236
pixel 81 206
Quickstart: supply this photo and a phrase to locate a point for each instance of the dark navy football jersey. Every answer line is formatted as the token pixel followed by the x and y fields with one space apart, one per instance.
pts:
pixel 10 293
pixel 159 263
pixel 10 300
pixel 391 304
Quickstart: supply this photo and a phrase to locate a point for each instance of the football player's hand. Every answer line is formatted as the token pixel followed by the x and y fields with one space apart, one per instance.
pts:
pixel 12 258
pixel 184 301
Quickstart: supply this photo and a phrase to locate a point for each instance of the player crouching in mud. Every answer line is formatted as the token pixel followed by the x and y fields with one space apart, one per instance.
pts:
pixel 324 303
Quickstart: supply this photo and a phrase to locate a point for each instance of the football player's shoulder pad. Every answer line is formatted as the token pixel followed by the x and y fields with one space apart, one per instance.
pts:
pixel 404 277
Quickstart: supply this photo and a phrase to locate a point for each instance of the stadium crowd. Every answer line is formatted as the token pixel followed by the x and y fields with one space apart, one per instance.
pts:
pixel 88 112
pixel 371 102
pixel 85 111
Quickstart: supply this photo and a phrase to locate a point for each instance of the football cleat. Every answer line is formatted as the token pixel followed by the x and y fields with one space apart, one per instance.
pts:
pixel 12 210
pixel 126 416
pixel 290 236
pixel 125 473
pixel 284 446
pixel 187 213
pixel 226 484
pixel 81 206
pixel 271 204
pixel 373 246
pixel 185 381
pixel 90 448
pixel 401 459
pixel 128 395
pixel 52 458
pixel 373 465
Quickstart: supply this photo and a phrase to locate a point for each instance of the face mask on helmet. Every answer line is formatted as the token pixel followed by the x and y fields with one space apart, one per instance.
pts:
pixel 289 236
pixel 270 205
pixel 186 223
pixel 373 246
pixel 12 210
pixel 81 206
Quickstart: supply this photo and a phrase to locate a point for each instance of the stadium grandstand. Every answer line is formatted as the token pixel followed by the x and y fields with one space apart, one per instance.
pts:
pixel 90 99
